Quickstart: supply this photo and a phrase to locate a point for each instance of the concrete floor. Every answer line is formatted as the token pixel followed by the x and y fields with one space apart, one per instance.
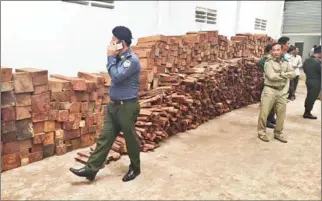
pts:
pixel 222 159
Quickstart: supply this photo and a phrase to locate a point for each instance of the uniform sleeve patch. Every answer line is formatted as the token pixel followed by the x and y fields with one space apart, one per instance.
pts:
pixel 127 64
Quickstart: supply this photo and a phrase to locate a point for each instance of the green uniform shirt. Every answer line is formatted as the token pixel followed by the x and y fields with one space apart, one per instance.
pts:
pixel 277 73
pixel 261 62
pixel 312 68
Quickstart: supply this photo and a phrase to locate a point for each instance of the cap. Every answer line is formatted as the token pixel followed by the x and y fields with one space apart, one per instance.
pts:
pixel 123 33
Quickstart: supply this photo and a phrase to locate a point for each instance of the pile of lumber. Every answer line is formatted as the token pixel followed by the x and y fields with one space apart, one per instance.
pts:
pixel 43 116
pixel 25 96
pixel 185 81
pixel 176 54
pixel 202 93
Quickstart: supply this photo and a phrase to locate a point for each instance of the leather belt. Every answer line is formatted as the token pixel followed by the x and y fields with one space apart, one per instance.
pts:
pixel 275 87
pixel 121 102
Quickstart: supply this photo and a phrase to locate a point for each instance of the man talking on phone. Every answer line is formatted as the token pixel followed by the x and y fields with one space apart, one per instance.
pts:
pixel 124 69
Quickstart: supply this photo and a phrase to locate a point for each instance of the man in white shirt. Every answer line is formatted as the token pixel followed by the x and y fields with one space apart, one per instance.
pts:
pixel 312 50
pixel 296 62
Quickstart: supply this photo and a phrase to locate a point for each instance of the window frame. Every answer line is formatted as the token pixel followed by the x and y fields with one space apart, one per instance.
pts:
pixel 205 15
pixel 107 4
pixel 260 24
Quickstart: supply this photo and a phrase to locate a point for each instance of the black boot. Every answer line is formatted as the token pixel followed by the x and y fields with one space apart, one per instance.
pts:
pixel 131 174
pixel 308 115
pixel 84 173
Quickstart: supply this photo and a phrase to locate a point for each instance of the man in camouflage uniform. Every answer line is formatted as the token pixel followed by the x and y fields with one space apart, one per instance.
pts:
pixel 275 92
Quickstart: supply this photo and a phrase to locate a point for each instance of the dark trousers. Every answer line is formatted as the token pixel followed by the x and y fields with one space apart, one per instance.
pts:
pixel 271 115
pixel 313 90
pixel 293 86
pixel 120 117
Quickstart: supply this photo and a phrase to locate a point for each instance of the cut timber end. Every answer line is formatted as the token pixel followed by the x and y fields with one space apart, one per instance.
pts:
pixel 58 85
pixel 77 83
pixel 6 74
pixel 7 86
pixel 39 76
pixel 23 82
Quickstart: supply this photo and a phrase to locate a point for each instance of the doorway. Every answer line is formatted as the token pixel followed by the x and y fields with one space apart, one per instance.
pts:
pixel 300 45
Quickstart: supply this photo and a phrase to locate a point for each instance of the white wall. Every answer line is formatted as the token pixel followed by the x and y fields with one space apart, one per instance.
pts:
pixel 177 17
pixel 272 11
pixel 65 38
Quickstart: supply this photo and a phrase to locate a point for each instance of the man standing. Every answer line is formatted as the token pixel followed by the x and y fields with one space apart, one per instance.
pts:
pixel 285 42
pixel 312 70
pixel 312 50
pixel 296 62
pixel 124 69
pixel 277 75
pixel 271 121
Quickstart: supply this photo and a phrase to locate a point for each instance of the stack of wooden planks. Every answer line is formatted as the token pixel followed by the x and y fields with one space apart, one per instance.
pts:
pixel 202 93
pixel 43 116
pixel 25 97
pixel 176 54
pixel 185 81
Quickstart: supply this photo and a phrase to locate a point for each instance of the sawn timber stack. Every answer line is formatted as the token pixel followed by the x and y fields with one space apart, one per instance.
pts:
pixel 176 54
pixel 190 99
pixel 185 81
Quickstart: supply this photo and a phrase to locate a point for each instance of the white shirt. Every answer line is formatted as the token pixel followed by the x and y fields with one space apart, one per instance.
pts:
pixel 312 50
pixel 296 63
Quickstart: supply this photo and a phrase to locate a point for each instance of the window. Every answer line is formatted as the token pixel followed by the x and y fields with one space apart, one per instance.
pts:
pixel 260 24
pixel 100 4
pixel 205 15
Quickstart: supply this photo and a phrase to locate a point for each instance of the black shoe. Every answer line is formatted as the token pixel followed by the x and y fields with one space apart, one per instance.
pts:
pixel 84 173
pixel 131 174
pixel 309 116
pixel 270 125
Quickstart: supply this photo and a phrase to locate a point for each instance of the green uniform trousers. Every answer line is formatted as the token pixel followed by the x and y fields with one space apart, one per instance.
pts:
pixel 313 90
pixel 272 98
pixel 120 117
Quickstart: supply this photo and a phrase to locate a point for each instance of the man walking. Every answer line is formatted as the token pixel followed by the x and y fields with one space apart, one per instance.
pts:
pixel 271 121
pixel 312 70
pixel 124 69
pixel 296 62
pixel 277 75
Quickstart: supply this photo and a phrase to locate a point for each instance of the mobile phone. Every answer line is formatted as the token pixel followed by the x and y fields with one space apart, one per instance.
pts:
pixel 119 46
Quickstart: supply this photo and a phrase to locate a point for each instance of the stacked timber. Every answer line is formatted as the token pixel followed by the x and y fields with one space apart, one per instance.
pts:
pixel 176 54
pixel 190 99
pixel 185 81
pixel 42 116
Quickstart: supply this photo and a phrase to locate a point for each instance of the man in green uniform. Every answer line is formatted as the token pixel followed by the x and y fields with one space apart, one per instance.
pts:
pixel 124 69
pixel 275 92
pixel 271 121
pixel 312 70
